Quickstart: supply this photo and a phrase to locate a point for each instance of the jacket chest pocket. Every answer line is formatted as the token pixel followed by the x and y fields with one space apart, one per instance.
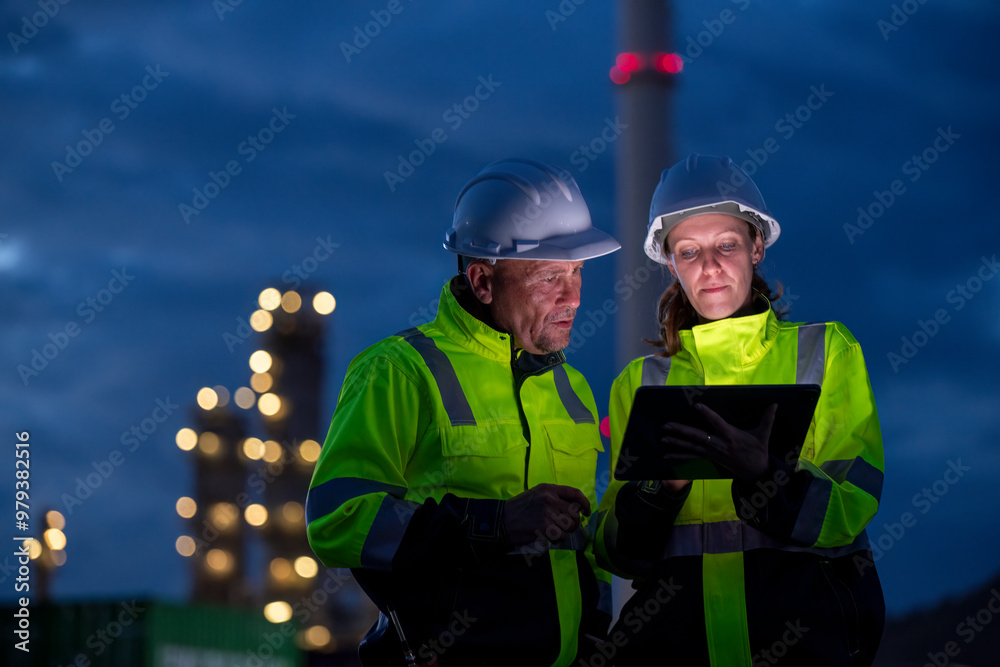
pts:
pixel 483 461
pixel 574 449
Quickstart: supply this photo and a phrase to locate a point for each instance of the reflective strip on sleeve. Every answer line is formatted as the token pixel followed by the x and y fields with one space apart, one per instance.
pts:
pixel 328 496
pixel 455 403
pixel 727 536
pixel 811 354
pixel 575 541
pixel 812 514
pixel 755 539
pixel 837 469
pixel 858 472
pixel 604 601
pixel 593 523
pixel 386 533
pixel 866 477
pixel 578 412
pixel 655 370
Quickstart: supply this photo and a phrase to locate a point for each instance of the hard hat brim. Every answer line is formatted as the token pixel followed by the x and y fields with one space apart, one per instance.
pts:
pixel 567 248
pixel 660 227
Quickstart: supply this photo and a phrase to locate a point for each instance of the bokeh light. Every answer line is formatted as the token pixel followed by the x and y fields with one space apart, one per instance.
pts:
pixel 269 299
pixel 207 398
pixel 245 398
pixel 278 612
pixel 260 361
pixel 324 303
pixel 291 301
pixel 186 507
pixel 261 320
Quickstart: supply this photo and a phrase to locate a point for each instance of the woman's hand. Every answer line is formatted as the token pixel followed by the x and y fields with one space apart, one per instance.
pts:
pixel 674 486
pixel 744 453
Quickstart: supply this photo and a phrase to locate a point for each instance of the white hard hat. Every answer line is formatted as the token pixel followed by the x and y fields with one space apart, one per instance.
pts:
pixel 521 209
pixel 704 184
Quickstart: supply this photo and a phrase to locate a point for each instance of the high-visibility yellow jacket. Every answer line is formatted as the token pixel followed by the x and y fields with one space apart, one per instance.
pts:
pixel 434 427
pixel 740 563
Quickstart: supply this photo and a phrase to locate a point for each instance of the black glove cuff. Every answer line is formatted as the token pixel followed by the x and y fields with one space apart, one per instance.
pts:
pixel 484 518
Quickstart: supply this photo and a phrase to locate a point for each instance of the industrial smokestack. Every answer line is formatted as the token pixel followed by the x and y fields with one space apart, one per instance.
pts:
pixel 645 71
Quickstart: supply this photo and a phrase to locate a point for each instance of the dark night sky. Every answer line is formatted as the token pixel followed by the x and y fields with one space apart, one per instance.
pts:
pixel 62 236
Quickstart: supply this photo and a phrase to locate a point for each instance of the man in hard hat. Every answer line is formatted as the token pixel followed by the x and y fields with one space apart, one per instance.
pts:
pixel 458 472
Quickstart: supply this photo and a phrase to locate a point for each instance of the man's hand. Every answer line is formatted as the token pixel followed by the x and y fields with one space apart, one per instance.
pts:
pixel 547 511
pixel 744 453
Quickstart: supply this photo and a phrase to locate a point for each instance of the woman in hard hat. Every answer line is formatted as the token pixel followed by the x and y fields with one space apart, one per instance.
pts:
pixel 773 564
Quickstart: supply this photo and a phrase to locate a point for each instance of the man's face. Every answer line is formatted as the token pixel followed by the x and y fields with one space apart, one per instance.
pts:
pixel 535 301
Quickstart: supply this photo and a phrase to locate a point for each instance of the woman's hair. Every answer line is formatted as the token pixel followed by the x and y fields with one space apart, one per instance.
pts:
pixel 675 312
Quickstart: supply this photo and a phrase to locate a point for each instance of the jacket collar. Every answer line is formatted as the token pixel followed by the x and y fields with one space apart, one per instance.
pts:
pixel 465 328
pixel 731 343
pixel 470 331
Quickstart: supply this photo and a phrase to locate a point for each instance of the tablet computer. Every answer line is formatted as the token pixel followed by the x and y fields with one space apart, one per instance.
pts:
pixel 643 456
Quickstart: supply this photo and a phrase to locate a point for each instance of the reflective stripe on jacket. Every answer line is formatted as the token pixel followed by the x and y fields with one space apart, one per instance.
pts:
pixel 841 461
pixel 440 417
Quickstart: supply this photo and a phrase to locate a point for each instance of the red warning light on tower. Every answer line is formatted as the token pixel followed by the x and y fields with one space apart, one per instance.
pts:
pixel 670 63
pixel 657 64
pixel 628 62
pixel 618 76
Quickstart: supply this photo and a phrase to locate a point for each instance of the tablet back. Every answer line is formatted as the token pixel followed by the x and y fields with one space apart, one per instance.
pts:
pixel 644 457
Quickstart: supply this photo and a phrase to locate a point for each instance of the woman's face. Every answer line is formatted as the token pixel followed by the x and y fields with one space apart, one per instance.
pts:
pixel 712 256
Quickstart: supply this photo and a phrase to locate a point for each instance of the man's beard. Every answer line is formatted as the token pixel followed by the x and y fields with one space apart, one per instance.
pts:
pixel 549 341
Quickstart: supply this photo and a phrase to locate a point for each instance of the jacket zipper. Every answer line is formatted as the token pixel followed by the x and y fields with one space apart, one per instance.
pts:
pixel 525 430
pixel 519 378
